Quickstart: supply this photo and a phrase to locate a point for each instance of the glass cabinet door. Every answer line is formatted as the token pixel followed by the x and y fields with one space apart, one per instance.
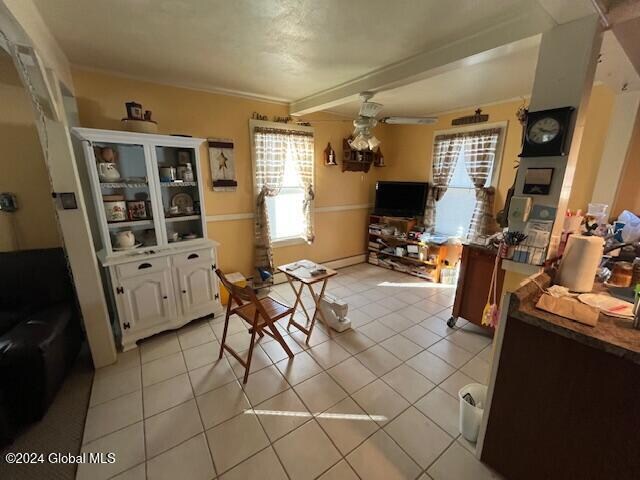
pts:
pixel 180 193
pixel 127 206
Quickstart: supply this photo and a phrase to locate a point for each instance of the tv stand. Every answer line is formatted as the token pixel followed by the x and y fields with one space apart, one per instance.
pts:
pixel 390 245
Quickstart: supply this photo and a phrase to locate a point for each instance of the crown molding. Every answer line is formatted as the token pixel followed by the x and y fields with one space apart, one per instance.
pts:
pixel 188 86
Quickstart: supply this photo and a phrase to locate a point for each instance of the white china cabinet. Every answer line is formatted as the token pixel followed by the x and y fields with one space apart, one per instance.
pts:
pixel 147 193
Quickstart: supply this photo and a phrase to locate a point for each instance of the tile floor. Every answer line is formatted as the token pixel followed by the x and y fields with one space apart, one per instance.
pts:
pixel 376 402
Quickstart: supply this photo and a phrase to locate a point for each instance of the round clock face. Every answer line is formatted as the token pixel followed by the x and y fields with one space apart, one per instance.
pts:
pixel 544 130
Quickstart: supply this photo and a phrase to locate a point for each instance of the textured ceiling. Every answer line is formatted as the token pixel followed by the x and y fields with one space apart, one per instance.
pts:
pixel 499 79
pixel 284 49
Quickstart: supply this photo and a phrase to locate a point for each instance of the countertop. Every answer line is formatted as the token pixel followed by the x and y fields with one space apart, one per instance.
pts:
pixel 611 334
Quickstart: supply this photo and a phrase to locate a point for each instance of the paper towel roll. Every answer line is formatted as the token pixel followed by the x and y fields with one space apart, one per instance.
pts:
pixel 580 263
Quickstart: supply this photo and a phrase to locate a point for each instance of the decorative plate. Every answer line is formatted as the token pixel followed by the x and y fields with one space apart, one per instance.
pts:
pixel 182 201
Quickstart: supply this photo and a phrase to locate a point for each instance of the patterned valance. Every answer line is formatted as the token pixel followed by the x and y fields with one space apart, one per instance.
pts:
pixel 283 131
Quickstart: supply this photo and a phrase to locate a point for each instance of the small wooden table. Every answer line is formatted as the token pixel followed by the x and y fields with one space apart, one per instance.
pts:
pixel 300 271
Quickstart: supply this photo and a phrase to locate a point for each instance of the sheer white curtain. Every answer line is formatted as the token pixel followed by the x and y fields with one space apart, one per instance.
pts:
pixel 302 152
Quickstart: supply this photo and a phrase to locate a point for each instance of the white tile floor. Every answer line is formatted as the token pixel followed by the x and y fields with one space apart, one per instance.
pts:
pixel 376 402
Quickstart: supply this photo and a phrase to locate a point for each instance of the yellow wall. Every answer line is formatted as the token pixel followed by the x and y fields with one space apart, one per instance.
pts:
pixel 409 152
pixel 591 147
pixel 628 196
pixel 339 234
pixel 408 149
pixel 23 171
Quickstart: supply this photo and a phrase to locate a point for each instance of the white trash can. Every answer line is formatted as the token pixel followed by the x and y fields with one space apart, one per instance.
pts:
pixel 470 416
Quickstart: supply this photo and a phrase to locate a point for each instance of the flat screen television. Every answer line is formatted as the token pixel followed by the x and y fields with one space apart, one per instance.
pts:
pixel 401 199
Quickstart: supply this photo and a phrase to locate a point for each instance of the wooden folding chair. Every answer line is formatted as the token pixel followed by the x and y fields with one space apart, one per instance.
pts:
pixel 261 315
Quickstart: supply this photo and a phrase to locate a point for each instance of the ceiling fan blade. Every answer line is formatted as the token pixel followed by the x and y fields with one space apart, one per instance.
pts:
pixel 409 120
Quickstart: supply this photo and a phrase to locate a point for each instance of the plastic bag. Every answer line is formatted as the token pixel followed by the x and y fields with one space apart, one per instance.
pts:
pixel 631 230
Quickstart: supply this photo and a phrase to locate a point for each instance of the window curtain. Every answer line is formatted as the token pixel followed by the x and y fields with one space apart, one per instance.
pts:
pixel 479 157
pixel 446 149
pixel 302 150
pixel 271 152
pixel 271 149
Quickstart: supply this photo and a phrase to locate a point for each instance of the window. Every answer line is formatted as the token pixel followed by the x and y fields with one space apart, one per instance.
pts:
pixel 283 160
pixel 286 219
pixel 454 211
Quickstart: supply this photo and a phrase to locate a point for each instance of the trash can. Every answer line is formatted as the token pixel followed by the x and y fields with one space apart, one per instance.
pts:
pixel 471 415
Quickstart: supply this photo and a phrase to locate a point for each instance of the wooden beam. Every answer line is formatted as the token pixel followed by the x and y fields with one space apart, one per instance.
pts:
pixel 494 41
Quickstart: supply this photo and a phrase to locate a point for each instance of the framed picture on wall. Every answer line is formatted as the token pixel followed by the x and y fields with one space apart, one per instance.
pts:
pixel 222 165
pixel 537 181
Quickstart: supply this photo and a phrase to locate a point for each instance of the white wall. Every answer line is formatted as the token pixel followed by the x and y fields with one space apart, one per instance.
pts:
pixel 27 15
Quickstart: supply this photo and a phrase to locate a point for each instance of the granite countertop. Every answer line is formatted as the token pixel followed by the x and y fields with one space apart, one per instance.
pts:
pixel 611 334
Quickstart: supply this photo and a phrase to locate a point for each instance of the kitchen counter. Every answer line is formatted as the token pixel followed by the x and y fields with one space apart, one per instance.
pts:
pixel 563 396
pixel 611 334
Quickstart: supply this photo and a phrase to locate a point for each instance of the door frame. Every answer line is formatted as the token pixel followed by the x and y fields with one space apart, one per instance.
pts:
pixel 60 161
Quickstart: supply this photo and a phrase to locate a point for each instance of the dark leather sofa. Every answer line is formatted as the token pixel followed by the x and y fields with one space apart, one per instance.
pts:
pixel 40 334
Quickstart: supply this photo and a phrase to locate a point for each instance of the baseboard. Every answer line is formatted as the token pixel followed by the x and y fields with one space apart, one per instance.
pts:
pixel 335 264
pixel 347 262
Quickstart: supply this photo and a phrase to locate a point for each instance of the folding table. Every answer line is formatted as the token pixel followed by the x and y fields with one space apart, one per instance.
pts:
pixel 301 271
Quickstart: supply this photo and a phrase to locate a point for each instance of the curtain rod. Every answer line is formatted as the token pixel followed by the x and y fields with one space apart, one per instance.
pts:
pixel 283 131
pixel 472 133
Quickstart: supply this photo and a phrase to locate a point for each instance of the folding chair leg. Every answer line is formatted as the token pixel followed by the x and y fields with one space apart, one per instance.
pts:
pixel 248 366
pixel 280 340
pixel 224 332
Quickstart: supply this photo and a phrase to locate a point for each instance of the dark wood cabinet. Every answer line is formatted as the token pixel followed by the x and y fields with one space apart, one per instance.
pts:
pixel 474 280
pixel 359 161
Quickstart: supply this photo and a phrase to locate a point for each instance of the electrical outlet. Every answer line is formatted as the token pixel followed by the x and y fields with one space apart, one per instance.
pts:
pixel 8 202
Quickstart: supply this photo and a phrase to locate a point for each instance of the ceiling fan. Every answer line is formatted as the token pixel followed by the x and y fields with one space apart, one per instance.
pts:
pixel 363 137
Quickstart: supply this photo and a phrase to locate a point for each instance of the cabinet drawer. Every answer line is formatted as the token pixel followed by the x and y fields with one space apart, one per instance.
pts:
pixel 142 267
pixel 195 256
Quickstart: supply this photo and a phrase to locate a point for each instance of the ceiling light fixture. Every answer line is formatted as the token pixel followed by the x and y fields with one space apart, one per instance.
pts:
pixel 360 142
pixel 363 138
pixel 374 143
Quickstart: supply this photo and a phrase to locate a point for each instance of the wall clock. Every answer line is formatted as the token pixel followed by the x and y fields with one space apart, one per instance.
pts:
pixel 546 133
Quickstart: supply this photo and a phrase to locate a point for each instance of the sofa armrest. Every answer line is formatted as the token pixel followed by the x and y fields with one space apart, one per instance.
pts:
pixel 34 358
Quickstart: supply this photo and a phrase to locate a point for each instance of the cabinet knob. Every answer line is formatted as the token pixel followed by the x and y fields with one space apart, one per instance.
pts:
pixel 192 256
pixel 184 291
pixel 142 266
pixel 165 297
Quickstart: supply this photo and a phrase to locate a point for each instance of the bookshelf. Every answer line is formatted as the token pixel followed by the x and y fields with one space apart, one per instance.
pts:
pixel 392 244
